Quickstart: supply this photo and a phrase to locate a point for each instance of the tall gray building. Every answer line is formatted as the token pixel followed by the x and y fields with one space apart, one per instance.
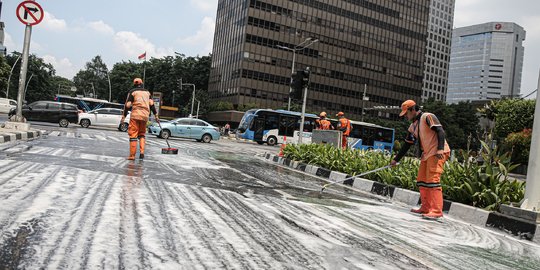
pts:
pixel 441 21
pixel 486 62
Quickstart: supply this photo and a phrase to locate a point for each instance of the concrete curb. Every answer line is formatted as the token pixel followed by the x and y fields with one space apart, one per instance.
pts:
pixel 12 135
pixel 523 228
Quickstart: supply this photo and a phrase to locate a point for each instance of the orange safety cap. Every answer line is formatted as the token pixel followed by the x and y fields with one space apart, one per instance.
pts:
pixel 405 106
pixel 137 81
pixel 323 114
pixel 340 114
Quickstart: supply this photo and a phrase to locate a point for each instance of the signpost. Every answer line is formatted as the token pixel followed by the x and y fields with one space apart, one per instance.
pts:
pixel 29 13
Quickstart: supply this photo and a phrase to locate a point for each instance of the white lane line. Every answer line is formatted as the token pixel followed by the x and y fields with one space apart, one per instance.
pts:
pixel 85 136
pixel 101 138
pixel 70 135
pixel 116 139
pixel 54 133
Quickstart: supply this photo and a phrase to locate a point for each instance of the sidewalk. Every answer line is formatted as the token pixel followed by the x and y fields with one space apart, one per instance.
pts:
pixel 10 135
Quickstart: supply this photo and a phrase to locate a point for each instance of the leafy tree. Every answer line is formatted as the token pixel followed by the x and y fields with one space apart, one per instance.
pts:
pixel 5 68
pixel 62 85
pixel 38 78
pixel 510 115
pixel 93 79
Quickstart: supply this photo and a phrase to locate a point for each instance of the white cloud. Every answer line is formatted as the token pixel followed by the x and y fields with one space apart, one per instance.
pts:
pixel 132 44
pixel 50 22
pixel 204 37
pixel 101 27
pixel 63 66
pixel 9 43
pixel 205 5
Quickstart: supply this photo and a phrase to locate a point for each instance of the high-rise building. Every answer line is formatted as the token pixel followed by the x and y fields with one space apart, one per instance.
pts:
pixel 380 44
pixel 439 41
pixel 486 62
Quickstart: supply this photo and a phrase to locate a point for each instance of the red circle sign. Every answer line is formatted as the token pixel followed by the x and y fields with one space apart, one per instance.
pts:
pixel 30 13
pixel 498 26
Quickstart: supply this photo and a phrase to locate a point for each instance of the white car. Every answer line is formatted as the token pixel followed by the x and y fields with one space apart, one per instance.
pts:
pixel 106 117
pixel 7 104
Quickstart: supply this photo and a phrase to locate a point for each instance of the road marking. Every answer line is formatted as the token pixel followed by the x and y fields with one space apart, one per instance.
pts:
pixel 70 135
pixel 101 138
pixel 54 133
pixel 115 139
pixel 85 136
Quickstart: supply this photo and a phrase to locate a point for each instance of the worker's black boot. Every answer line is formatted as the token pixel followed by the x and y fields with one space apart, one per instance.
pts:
pixel 141 156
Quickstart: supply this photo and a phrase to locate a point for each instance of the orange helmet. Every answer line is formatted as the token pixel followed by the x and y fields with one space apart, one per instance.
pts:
pixel 406 106
pixel 137 81
pixel 340 114
pixel 323 114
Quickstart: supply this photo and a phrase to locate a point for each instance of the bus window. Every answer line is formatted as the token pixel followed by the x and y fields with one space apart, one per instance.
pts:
pixel 387 136
pixel 286 126
pixel 356 132
pixel 309 124
pixel 368 136
pixel 272 122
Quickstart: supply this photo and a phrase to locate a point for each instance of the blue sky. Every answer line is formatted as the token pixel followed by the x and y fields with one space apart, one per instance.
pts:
pixel 74 31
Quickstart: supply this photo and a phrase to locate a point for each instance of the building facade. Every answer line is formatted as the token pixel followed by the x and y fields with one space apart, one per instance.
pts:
pixel 486 62
pixel 380 44
pixel 439 41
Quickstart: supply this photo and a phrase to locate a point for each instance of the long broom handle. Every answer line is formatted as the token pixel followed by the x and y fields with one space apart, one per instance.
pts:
pixel 166 140
pixel 359 175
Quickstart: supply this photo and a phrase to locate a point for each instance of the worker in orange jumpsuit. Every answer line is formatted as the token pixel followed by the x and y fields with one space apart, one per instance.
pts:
pixel 323 123
pixel 140 103
pixel 428 134
pixel 344 125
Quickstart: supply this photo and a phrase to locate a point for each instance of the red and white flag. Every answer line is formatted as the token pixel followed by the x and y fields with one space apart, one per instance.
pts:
pixel 142 56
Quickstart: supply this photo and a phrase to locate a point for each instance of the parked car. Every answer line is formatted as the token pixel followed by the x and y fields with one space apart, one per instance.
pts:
pixel 6 105
pixel 51 112
pixel 188 128
pixel 105 117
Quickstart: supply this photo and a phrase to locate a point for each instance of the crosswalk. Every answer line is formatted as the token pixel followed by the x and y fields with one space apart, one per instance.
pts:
pixel 86 136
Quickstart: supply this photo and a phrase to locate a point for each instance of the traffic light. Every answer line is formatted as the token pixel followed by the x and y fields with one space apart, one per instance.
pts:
pixel 299 81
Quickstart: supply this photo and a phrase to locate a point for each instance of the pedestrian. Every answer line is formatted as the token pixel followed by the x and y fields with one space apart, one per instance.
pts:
pixel 140 104
pixel 227 129
pixel 427 133
pixel 323 123
pixel 344 125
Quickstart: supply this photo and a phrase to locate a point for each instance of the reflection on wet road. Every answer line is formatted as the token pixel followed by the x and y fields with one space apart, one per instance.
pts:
pixel 72 201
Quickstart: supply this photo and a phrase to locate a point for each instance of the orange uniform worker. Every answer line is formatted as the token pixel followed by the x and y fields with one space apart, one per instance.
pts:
pixel 323 123
pixel 344 125
pixel 426 132
pixel 141 104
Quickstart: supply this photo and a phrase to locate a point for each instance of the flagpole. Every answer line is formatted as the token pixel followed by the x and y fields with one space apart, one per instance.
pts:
pixel 144 72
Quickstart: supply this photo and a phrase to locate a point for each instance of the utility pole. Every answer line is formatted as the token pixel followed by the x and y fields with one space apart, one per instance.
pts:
pixel 110 89
pixel 192 98
pixel 22 77
pixel 198 106
pixel 364 101
pixel 532 189
pixel 303 117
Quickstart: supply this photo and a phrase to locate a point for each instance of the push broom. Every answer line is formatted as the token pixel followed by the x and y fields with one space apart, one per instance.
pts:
pixel 167 151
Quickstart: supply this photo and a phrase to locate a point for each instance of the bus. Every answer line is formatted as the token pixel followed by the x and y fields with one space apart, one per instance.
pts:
pixel 88 104
pixel 277 126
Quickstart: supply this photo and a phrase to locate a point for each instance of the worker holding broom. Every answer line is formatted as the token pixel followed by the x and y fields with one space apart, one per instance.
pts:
pixel 428 134
pixel 140 103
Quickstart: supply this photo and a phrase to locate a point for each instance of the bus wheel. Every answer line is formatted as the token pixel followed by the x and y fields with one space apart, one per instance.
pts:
pixel 271 141
pixel 260 143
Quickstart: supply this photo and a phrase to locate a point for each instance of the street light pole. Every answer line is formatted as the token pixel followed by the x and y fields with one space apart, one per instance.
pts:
pixel 532 189
pixel 22 76
pixel 110 89
pixel 192 98
pixel 198 106
pixel 297 48
pixel 303 117
pixel 27 83
pixel 364 101
pixel 10 73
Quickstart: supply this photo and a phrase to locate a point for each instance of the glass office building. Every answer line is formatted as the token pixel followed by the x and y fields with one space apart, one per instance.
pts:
pixel 486 62
pixel 381 44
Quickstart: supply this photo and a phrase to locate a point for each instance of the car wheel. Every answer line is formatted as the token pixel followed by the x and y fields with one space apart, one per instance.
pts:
pixel 63 123
pixel 206 138
pixel 272 141
pixel 123 127
pixel 165 134
pixel 85 123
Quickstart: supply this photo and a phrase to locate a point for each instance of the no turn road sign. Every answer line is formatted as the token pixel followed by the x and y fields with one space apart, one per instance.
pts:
pixel 30 13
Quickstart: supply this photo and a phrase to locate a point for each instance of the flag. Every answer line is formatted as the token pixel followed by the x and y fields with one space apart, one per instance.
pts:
pixel 142 56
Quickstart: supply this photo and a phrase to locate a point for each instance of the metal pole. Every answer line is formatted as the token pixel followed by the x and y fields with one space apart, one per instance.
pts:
pixel 10 73
pixel 198 106
pixel 24 70
pixel 192 101
pixel 532 189
pixel 303 117
pixel 110 89
pixel 27 83
pixel 364 101
pixel 292 72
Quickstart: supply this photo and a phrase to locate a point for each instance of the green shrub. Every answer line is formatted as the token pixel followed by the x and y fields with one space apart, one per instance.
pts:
pixel 520 145
pixel 486 186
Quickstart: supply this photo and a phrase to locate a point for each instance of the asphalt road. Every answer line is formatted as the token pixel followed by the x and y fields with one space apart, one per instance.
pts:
pixel 70 200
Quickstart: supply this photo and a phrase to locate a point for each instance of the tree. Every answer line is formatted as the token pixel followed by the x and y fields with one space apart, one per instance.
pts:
pixel 122 76
pixel 510 115
pixel 93 79
pixel 4 74
pixel 62 85
pixel 39 78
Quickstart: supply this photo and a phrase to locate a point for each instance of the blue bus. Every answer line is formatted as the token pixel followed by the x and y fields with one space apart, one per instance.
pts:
pixel 277 126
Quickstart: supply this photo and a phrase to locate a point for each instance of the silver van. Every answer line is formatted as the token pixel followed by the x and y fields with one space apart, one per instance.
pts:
pixel 6 105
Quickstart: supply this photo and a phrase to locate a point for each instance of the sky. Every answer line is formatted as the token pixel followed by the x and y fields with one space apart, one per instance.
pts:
pixel 73 32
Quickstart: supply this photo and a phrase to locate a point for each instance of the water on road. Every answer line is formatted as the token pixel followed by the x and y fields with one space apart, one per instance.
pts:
pixel 71 201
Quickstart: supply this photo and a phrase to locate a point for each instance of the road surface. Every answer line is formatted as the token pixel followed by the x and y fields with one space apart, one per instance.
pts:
pixel 71 201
